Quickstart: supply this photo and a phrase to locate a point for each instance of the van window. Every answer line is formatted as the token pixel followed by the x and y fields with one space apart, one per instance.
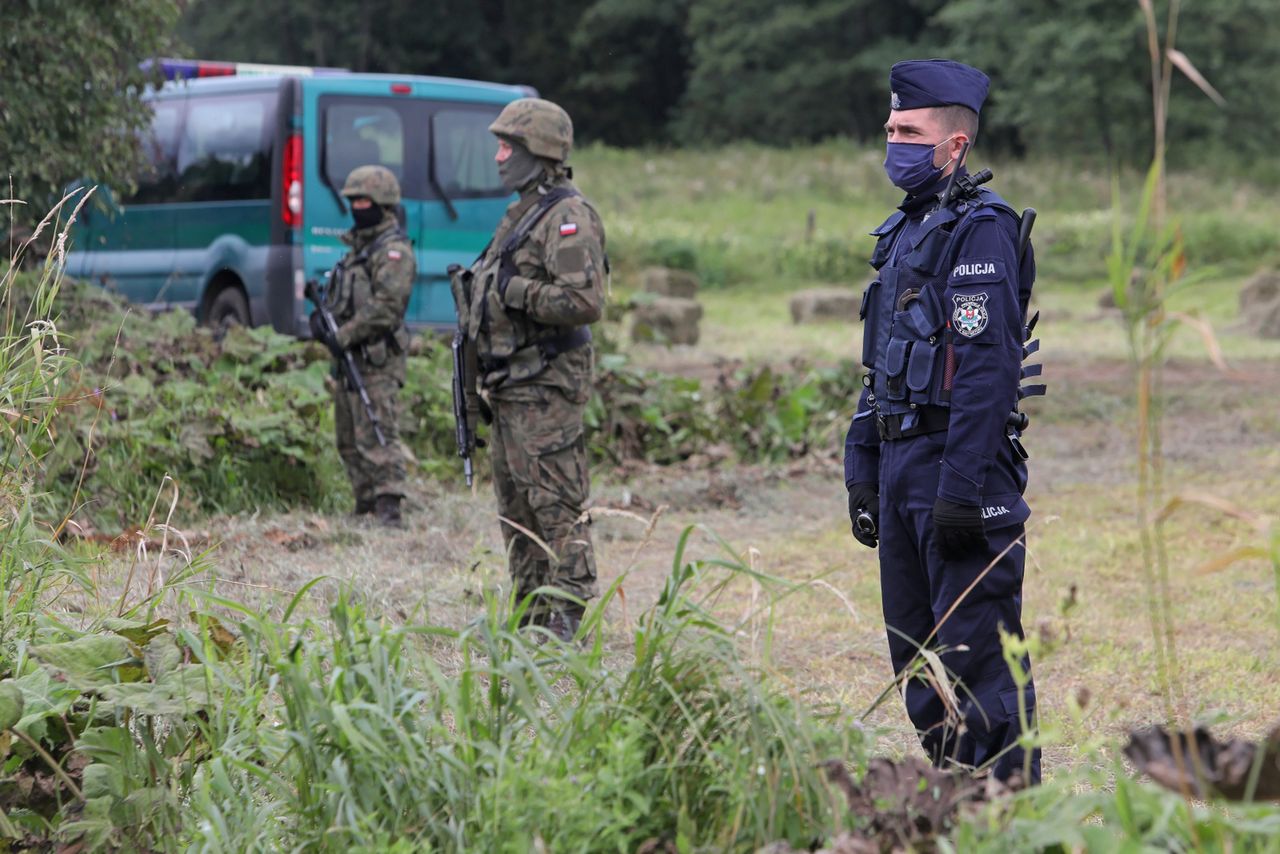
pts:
pixel 157 181
pixel 464 149
pixel 224 153
pixel 360 133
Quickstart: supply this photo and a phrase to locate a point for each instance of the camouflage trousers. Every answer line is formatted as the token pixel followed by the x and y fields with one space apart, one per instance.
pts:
pixel 373 469
pixel 541 480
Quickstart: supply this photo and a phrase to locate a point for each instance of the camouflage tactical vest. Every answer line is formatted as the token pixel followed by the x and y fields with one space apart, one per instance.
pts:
pixel 510 345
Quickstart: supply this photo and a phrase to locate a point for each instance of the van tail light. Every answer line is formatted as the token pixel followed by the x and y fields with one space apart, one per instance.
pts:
pixel 291 180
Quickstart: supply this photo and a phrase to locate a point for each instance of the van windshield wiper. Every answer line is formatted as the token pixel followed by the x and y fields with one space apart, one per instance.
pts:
pixel 324 164
pixel 448 204
pixel 434 181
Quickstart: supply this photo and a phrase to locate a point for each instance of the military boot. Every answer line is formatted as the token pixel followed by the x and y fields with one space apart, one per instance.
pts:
pixel 564 622
pixel 388 510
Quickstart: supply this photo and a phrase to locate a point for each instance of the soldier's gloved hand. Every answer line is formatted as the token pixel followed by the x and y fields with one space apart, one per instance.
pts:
pixel 958 529
pixel 321 334
pixel 865 498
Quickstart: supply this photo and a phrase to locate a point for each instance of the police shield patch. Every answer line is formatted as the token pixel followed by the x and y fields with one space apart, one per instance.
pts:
pixel 970 315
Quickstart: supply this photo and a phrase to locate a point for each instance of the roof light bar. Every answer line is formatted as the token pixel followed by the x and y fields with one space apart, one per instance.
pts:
pixel 191 69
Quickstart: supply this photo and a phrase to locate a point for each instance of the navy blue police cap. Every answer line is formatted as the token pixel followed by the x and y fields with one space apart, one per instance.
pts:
pixel 918 83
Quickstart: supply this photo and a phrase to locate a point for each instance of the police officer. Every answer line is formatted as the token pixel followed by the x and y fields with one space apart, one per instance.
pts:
pixel 526 305
pixel 931 463
pixel 368 294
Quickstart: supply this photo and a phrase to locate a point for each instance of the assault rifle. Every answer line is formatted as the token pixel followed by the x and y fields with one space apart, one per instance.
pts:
pixel 467 406
pixel 346 362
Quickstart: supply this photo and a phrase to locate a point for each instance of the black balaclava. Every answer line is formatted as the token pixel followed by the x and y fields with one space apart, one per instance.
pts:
pixel 368 217
pixel 520 169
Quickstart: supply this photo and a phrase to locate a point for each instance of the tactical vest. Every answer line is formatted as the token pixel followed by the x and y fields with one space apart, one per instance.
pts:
pixel 351 285
pixel 510 345
pixel 908 346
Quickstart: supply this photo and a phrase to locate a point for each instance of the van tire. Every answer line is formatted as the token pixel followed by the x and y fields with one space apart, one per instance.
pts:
pixel 227 308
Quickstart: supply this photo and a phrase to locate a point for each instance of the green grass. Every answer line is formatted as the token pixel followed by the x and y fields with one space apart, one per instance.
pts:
pixel 742 212
pixel 753 322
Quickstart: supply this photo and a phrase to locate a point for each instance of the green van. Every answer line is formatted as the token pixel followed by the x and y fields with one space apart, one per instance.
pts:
pixel 239 205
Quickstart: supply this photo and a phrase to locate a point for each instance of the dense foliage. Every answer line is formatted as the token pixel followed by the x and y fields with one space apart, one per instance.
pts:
pixel 1070 77
pixel 69 77
pixel 245 423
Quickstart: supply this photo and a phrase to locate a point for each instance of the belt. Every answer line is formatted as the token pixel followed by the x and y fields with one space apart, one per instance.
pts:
pixel 918 421
pixel 549 348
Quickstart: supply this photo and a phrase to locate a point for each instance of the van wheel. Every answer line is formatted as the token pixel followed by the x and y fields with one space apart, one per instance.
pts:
pixel 227 308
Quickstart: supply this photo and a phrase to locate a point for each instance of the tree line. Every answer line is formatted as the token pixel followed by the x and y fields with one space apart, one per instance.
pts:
pixel 1068 76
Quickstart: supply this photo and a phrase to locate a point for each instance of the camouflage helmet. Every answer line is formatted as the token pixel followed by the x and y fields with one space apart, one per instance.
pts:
pixel 377 182
pixel 540 126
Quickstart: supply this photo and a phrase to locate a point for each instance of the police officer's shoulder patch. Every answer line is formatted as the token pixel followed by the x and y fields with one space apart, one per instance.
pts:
pixel 969 318
pixel 976 271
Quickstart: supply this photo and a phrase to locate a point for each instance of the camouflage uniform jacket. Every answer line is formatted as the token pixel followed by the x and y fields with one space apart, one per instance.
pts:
pixel 369 294
pixel 558 287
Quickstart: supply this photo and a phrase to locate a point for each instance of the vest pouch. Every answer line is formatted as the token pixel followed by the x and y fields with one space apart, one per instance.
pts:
pixel 361 290
pixel 881 253
pixel 895 364
pixel 929 253
pixel 337 294
pixel 525 364
pixel 884 239
pixel 498 339
pixel 869 314
pixel 376 352
pixel 923 315
pixel 460 283
pixel 482 282
pixel 399 339
pixel 920 370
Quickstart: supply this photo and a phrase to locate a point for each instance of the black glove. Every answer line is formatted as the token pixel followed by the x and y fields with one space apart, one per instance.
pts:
pixel 864 500
pixel 321 334
pixel 958 529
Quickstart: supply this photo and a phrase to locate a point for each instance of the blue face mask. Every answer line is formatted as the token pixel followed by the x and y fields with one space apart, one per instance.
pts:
pixel 909 165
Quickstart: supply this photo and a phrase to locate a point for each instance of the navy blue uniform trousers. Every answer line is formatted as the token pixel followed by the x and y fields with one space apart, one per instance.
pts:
pixel 919 588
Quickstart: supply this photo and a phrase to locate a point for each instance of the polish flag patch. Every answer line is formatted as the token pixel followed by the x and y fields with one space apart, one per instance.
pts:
pixel 568 228
pixel 394 254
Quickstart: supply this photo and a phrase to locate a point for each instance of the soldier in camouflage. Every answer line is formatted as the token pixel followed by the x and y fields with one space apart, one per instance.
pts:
pixel 526 305
pixel 368 294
